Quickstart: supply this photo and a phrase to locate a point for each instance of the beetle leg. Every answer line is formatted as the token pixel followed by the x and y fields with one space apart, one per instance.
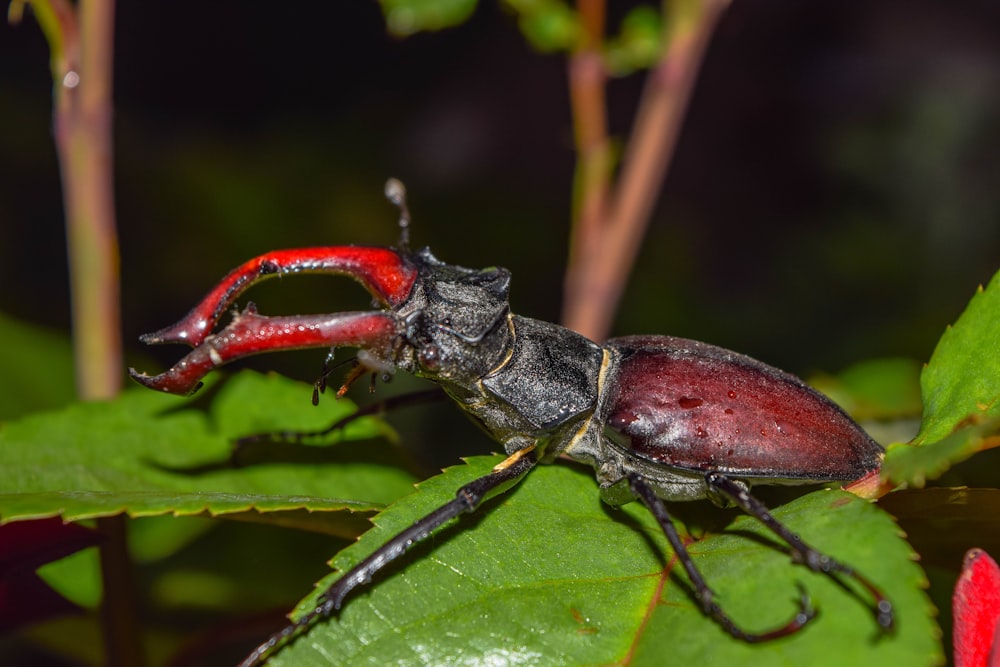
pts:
pixel 704 594
pixel 801 552
pixel 385 273
pixel 250 333
pixel 319 386
pixel 467 499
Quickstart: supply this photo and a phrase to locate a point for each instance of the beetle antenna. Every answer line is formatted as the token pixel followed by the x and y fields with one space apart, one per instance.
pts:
pixel 395 192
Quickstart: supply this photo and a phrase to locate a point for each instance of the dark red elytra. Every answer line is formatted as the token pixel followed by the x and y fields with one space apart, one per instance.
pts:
pixel 695 406
pixel 689 403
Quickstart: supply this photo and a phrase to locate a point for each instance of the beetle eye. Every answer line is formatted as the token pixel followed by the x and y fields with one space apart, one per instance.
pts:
pixel 429 357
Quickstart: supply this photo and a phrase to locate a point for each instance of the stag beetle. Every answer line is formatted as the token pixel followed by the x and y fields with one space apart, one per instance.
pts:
pixel 659 418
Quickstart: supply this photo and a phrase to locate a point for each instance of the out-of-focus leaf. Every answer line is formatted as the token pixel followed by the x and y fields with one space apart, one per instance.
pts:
pixel 25 597
pixel 548 25
pixel 55 21
pixel 639 45
pixel 77 577
pixel 875 389
pixel 406 17
pixel 36 366
pixel 155 538
pixel 550 576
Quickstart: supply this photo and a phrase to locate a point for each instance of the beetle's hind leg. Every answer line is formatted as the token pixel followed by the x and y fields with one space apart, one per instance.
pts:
pixel 704 594
pixel 801 552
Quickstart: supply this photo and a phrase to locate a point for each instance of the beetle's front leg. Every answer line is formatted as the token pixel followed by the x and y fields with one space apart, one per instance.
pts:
pixel 467 499
pixel 801 552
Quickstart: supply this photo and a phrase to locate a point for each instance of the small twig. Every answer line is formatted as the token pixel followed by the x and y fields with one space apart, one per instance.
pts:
pixel 600 263
pixel 587 81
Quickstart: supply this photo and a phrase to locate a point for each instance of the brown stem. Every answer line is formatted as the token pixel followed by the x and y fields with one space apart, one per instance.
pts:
pixel 119 624
pixel 593 298
pixel 587 79
pixel 83 140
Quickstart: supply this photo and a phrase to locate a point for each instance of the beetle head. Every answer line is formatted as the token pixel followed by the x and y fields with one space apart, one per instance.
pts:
pixel 456 321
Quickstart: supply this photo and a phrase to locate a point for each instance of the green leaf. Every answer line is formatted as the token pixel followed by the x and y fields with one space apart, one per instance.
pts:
pixel 37 368
pixel 146 454
pixel 960 389
pixel 961 382
pixel 548 575
pixel 875 389
pixel 77 577
pixel 917 464
pixel 406 17
pixel 548 25
pixel 55 21
pixel 640 43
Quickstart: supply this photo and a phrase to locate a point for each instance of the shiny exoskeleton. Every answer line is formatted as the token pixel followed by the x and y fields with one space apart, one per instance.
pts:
pixel 659 418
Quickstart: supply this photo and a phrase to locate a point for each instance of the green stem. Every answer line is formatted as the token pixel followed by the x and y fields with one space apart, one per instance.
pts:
pixel 83 138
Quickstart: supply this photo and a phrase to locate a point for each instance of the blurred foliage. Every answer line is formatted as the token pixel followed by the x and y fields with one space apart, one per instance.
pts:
pixel 548 25
pixel 640 43
pixel 405 17
pixel 879 389
pixel 39 374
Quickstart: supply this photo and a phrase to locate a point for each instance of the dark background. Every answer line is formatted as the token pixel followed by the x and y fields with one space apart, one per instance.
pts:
pixel 834 196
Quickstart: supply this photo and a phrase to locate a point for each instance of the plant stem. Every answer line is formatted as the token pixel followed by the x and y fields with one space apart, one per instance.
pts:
pixel 602 253
pixel 587 80
pixel 119 624
pixel 81 42
pixel 83 139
